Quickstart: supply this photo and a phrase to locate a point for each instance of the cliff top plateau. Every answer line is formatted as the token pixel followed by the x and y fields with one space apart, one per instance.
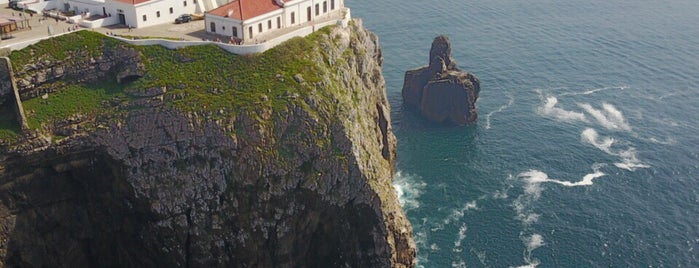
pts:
pixel 144 156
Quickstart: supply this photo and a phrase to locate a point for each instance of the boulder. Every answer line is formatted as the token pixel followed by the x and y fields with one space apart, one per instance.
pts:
pixel 441 92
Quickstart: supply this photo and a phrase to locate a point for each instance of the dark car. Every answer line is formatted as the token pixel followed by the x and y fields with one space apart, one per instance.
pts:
pixel 183 18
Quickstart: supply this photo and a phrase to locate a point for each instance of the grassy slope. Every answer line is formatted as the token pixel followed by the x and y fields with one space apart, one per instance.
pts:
pixel 204 78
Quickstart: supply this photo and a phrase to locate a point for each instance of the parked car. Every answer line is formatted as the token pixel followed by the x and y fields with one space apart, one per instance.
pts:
pixel 184 18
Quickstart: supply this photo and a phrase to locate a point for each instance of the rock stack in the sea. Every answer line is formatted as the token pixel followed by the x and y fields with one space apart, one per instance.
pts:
pixel 441 92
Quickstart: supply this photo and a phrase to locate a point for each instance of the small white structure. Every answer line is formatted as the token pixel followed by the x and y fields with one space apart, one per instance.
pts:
pixel 254 21
pixel 134 13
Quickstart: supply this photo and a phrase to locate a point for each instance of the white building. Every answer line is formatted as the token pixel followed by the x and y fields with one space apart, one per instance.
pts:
pixel 256 20
pixel 134 13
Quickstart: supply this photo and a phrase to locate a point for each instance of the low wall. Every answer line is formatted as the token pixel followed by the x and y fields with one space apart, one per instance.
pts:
pixel 21 45
pixel 240 49
pixel 19 110
pixel 99 22
pixel 235 49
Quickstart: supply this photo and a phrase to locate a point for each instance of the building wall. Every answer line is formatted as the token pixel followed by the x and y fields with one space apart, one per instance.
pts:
pixel 263 21
pixel 224 26
pixel 134 14
pixel 299 8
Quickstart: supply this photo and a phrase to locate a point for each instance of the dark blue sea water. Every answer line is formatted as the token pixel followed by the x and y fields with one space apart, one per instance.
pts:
pixel 586 150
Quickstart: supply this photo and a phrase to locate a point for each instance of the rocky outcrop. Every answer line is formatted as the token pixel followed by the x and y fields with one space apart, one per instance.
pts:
pixel 115 62
pixel 306 185
pixel 440 91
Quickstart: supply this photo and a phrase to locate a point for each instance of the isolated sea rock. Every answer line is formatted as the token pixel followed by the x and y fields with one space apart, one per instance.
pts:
pixel 441 92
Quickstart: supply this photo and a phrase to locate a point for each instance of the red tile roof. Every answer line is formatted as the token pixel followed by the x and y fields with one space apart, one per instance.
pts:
pixel 245 9
pixel 133 2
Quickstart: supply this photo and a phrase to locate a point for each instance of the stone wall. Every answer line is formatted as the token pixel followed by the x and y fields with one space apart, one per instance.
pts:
pixel 11 96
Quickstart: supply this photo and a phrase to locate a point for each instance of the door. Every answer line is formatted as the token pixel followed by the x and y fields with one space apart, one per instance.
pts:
pixel 122 19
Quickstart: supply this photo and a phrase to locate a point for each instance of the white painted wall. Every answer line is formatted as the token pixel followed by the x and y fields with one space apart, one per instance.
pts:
pixel 150 9
pixel 224 26
pixel 261 20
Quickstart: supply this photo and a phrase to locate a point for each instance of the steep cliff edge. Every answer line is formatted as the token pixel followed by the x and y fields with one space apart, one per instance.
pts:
pixel 182 162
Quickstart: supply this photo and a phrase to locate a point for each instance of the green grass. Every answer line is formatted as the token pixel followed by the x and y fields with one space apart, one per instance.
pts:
pixel 204 78
pixel 71 100
pixel 213 79
pixel 58 48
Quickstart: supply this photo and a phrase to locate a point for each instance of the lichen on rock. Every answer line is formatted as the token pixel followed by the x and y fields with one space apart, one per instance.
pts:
pixel 160 176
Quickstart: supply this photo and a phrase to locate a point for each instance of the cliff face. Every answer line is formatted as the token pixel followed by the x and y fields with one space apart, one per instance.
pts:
pixel 147 183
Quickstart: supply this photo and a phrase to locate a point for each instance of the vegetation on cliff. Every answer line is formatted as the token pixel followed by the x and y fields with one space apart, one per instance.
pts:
pixel 237 82
pixel 203 157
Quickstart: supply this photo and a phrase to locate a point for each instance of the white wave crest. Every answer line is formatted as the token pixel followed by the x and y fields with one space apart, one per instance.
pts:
pixel 549 109
pixel 531 243
pixel 534 241
pixel 457 214
pixel 408 189
pixel 502 108
pixel 594 90
pixel 534 177
pixel 609 117
pixel 629 160
pixel 460 238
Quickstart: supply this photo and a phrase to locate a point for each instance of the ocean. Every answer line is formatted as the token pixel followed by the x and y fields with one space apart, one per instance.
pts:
pixel 585 150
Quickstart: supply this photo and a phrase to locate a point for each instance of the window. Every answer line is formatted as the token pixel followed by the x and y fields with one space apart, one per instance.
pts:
pixel 184 3
pixel 317 9
pixel 195 2
pixel 235 31
pixel 269 24
pixel 223 28
pixel 332 4
pixel 279 22
pixel 250 30
pixel 325 7
pixel 308 11
pixel 293 18
pixel 144 18
pixel 213 27
pixel 171 11
pixel 259 27
pixel 157 14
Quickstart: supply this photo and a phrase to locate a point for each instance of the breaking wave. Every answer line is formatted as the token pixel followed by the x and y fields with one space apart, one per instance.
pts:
pixel 609 117
pixel 408 189
pixel 535 177
pixel 549 109
pixel 628 159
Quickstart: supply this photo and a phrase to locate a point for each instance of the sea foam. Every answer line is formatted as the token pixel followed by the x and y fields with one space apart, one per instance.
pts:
pixel 502 108
pixel 408 189
pixel 628 159
pixel 609 116
pixel 549 109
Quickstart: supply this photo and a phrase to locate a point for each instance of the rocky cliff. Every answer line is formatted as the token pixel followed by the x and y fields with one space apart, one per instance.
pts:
pixel 279 160
pixel 441 92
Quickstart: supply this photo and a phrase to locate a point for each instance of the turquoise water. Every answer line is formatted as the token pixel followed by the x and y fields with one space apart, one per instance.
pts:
pixel 585 152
